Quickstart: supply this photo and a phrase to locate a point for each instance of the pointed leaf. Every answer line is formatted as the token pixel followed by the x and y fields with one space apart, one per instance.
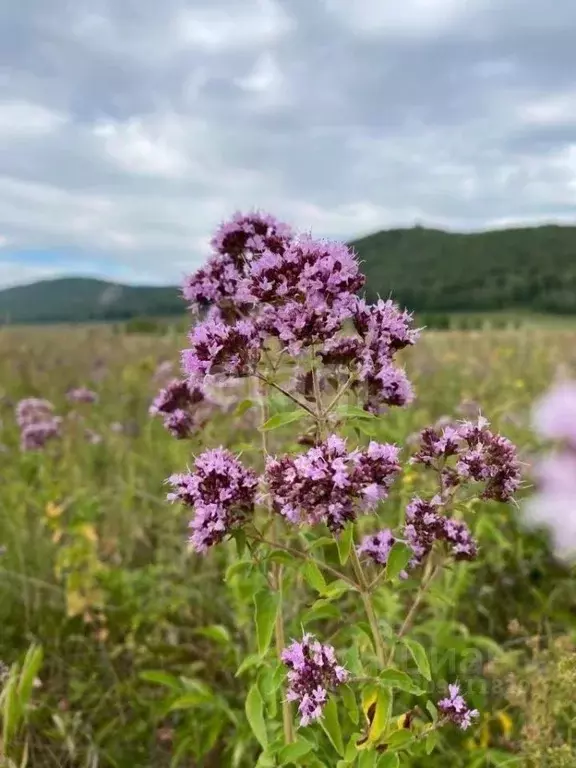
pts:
pixel 345 542
pixel 331 726
pixel 291 753
pixel 390 760
pixel 419 655
pixel 266 604
pixel 394 678
pixel 399 557
pixel 281 419
pixel 314 577
pixel 254 708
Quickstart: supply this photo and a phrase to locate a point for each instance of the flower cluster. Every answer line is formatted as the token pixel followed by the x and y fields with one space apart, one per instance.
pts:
pixel 455 709
pixel 554 504
pixel 377 546
pixel 313 672
pixel 236 243
pixel 480 455
pixel 383 329
pixel 222 493
pixel 38 423
pixel 178 404
pixel 82 395
pixel 329 485
pixel 426 524
pixel 217 348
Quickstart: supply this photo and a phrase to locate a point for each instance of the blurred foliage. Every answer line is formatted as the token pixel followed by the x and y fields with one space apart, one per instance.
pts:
pixel 148 652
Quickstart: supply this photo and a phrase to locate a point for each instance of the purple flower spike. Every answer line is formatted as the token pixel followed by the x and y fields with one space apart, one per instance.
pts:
pixel 222 493
pixel 426 524
pixel 82 395
pixel 377 546
pixel 313 673
pixel 455 709
pixel 329 485
pixel 215 348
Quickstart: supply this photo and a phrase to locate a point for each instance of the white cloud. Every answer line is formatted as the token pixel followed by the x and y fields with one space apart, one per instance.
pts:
pixel 250 23
pixel 20 119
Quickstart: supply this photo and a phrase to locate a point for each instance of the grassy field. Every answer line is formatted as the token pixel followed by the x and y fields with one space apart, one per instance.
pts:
pixel 95 567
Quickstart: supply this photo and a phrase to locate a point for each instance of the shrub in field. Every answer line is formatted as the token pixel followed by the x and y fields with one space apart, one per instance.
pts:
pixel 281 309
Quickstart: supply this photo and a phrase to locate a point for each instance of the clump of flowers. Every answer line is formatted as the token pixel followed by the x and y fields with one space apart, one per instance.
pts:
pixel 554 504
pixel 471 452
pixel 222 493
pixel 330 485
pixel 425 524
pixel 38 423
pixel 281 310
pixel 179 405
pixel 82 395
pixel 455 709
pixel 314 672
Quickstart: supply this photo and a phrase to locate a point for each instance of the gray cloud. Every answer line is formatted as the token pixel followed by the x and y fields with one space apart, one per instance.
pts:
pixel 128 129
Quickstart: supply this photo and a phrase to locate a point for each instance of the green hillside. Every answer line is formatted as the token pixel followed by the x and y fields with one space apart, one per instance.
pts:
pixel 428 270
pixel 71 300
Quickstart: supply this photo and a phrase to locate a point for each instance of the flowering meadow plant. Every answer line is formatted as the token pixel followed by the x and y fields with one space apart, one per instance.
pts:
pixel 319 501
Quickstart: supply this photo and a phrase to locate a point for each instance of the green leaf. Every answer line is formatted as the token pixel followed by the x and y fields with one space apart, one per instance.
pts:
pixel 394 678
pixel 336 588
pixel 161 678
pixel 331 726
pixel 239 536
pixel 390 760
pixel 30 668
pixel 266 604
pixel 345 542
pixel 431 740
pixel 321 609
pixel 190 701
pixel 313 576
pixel 282 557
pixel 380 714
pixel 419 655
pixel 399 557
pixel 431 707
pixel 215 632
pixel 11 712
pixel 237 568
pixel 254 709
pixel 367 759
pixel 250 661
pixel 355 411
pixel 399 739
pixel 281 419
pixel 292 753
pixel 350 703
pixel 242 407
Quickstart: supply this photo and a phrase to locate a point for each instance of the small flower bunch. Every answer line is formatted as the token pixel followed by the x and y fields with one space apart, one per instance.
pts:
pixel 282 309
pixel 38 423
pixel 178 404
pixel 82 395
pixel 553 506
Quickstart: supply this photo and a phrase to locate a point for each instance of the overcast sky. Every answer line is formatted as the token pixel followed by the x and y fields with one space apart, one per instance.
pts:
pixel 130 128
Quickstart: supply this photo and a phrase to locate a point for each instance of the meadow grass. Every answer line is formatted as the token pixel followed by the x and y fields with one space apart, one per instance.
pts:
pixel 96 568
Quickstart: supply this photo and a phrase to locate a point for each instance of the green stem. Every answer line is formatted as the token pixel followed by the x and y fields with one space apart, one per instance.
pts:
pixel 429 575
pixel 276 578
pixel 369 608
pixel 285 392
pixel 345 387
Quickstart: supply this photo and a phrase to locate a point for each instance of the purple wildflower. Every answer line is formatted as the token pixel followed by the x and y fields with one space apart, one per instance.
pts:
pixel 377 546
pixel 222 493
pixel 481 456
pixel 252 233
pixel 82 395
pixel 384 327
pixel 426 524
pixel 554 505
pixel 215 348
pixel 35 435
pixel 455 709
pixel 329 485
pixel 31 410
pixel 554 415
pixel 237 243
pixel 313 673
